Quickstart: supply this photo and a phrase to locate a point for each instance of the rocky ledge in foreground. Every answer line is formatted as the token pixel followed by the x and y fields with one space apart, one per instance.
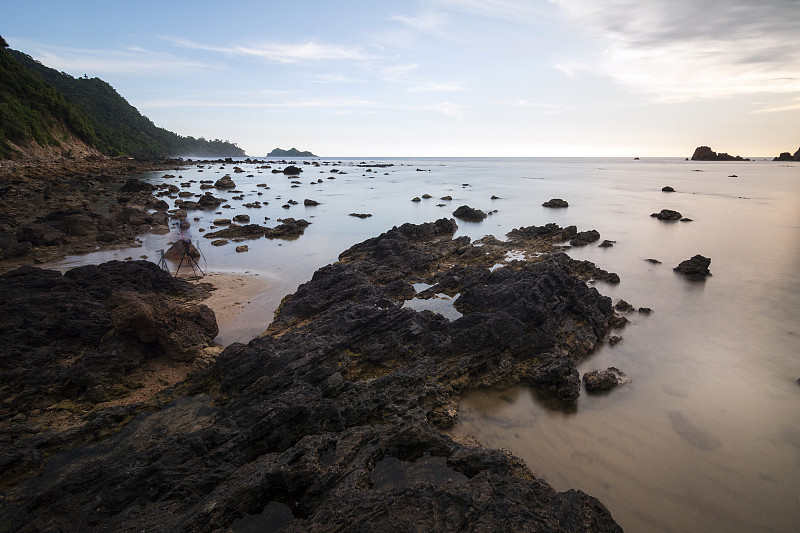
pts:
pixel 312 420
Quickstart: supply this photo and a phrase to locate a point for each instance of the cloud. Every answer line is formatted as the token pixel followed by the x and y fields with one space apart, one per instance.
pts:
pixel 678 50
pixel 133 60
pixel 320 102
pixel 434 87
pixel 547 109
pixel 430 21
pixel 793 105
pixel 504 9
pixel 281 52
pixel 446 108
pixel 335 78
pixel 398 72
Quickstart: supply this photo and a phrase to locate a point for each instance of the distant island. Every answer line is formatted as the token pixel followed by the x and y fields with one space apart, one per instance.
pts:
pixel 291 152
pixel 704 153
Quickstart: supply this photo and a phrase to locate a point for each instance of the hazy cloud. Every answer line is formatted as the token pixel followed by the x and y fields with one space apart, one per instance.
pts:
pixel 136 60
pixel 281 52
pixel 685 49
pixel 434 87
pixel 547 109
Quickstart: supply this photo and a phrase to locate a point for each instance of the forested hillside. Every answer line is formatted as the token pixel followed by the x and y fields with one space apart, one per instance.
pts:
pixel 42 105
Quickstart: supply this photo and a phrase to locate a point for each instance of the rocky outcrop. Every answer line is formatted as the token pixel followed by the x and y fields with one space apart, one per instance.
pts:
pixel 467 213
pixel 704 153
pixel 289 229
pixel 225 182
pixel 585 237
pixel 604 380
pixel 787 156
pixel 555 202
pixel 696 267
pixel 668 215
pixel 347 382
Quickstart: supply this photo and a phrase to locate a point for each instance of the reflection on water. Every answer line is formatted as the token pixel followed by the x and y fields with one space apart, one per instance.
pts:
pixel 705 438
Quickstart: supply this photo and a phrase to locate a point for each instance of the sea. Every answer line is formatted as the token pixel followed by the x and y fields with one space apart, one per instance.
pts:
pixel 706 436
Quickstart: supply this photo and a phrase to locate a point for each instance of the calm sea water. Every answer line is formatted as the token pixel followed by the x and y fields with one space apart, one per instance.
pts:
pixel 707 435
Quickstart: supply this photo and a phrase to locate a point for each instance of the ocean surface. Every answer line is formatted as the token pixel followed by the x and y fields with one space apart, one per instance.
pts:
pixel 706 437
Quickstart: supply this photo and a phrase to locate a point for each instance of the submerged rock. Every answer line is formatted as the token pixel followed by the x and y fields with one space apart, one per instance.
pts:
pixel 696 267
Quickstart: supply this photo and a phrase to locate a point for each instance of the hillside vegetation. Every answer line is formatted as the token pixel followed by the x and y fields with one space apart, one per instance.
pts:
pixel 40 105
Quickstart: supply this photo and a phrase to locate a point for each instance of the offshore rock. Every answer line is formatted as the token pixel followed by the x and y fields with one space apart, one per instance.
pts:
pixel 555 202
pixel 345 378
pixel 289 229
pixel 705 153
pixel 466 212
pixel 667 214
pixel 604 380
pixel 696 267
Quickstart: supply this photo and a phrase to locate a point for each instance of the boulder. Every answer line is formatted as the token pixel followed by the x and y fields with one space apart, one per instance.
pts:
pixel 601 380
pixel 667 214
pixel 181 332
pixel 555 202
pixel 695 267
pixel 307 202
pixel 466 212
pixel 292 170
pixel 667 189
pixel 225 182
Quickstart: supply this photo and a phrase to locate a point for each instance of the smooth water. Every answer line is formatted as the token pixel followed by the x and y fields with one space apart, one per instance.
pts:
pixel 707 435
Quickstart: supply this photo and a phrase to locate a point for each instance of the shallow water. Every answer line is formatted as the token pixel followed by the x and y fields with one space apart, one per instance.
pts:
pixel 707 435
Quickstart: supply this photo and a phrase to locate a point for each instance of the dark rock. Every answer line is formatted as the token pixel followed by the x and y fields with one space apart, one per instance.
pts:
pixel 787 156
pixel 347 377
pixel 308 202
pixel 446 198
pixel 667 189
pixel 667 214
pixel 645 310
pixel 623 306
pixel 241 218
pixel 182 333
pixel 416 199
pixel 607 244
pixel 467 213
pixel 654 261
pixel 241 249
pixel 41 235
pixel 225 182
pixel 361 215
pixel 696 267
pixel 601 380
pixel 292 170
pixel 585 237
pixel 704 153
pixel 555 202
pixel 135 185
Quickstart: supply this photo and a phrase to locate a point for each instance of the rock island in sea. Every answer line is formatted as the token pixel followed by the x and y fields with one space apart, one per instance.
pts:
pixel 337 416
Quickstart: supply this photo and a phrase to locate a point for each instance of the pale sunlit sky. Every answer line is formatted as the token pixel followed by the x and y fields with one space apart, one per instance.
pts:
pixel 440 77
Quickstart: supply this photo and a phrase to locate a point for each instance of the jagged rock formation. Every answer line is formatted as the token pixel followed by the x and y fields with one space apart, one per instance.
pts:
pixel 695 267
pixel 787 156
pixel 704 153
pixel 291 152
pixel 346 384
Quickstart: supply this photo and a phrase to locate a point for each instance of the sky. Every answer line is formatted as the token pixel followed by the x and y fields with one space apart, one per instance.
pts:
pixel 440 78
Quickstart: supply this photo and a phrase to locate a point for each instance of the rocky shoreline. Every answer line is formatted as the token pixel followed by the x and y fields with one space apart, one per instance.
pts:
pixel 303 422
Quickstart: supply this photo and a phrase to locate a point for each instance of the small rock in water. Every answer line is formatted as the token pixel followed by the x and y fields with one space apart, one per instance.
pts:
pixel 607 244
pixel 667 214
pixel 555 202
pixel 361 215
pixel 416 199
pixel 603 380
pixel 623 306
pixel 654 261
pixel 466 212
pixel 696 267
pixel 645 310
pixel 667 189
pixel 242 248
